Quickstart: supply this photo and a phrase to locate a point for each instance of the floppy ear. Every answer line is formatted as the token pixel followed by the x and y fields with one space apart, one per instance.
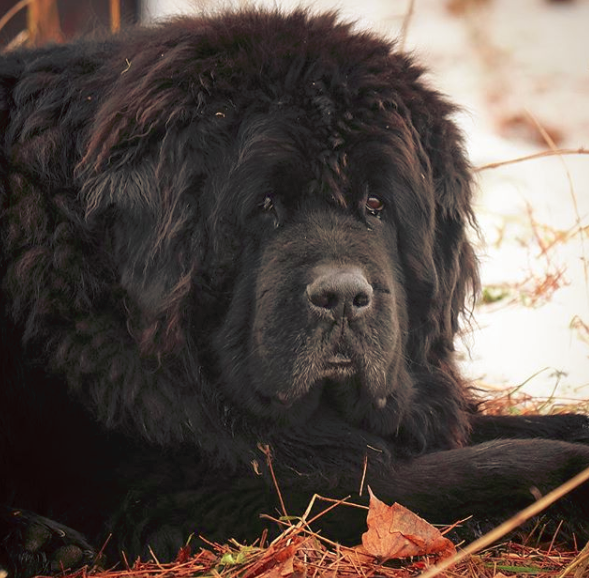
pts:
pixel 455 220
pixel 455 261
pixel 142 202
pixel 142 173
pixel 147 200
pixel 454 279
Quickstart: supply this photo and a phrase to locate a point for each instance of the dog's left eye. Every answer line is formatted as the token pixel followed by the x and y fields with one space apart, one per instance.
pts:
pixel 374 206
pixel 268 204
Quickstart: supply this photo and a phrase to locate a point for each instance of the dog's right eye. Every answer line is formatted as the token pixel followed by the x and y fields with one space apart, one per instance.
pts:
pixel 269 207
pixel 374 206
pixel 268 204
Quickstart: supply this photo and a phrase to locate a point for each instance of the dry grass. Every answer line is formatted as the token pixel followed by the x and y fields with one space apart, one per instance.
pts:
pixel 302 553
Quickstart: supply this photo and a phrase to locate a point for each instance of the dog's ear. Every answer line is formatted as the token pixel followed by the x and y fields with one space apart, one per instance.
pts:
pixel 455 231
pixel 451 271
pixel 143 204
pixel 140 179
pixel 439 264
pixel 146 199
pixel 142 175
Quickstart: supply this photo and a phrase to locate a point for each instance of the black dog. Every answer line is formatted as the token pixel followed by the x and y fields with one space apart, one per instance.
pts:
pixel 226 232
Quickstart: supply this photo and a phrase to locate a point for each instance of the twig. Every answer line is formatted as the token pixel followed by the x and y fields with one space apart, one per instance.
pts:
pixel 157 562
pixel 551 546
pixel 9 14
pixel 115 15
pixel 455 525
pixel 578 219
pixel 405 25
pixel 266 451
pixel 304 523
pixel 363 474
pixel 328 509
pixel 579 564
pixel 19 40
pixel 100 553
pixel 542 154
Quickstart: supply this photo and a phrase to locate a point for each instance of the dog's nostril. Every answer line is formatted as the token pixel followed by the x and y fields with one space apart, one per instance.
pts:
pixel 341 291
pixel 324 299
pixel 362 300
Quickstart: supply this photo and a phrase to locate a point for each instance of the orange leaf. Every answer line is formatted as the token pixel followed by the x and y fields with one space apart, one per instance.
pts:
pixel 184 554
pixel 282 570
pixel 396 532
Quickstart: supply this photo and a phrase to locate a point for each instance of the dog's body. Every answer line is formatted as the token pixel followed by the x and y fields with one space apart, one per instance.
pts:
pixel 231 232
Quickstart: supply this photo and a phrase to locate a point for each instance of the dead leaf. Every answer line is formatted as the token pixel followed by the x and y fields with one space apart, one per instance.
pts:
pixel 396 532
pixel 275 562
pixel 357 556
pixel 282 570
pixel 184 554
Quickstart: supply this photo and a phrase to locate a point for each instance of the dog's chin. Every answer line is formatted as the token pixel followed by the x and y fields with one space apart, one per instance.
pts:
pixel 284 409
pixel 337 386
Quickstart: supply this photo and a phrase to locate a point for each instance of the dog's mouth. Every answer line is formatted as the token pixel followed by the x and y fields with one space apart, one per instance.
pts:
pixel 288 408
pixel 340 361
pixel 339 391
pixel 337 367
pixel 337 381
pixel 338 371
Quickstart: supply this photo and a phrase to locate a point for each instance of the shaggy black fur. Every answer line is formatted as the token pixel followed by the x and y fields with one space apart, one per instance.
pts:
pixel 225 232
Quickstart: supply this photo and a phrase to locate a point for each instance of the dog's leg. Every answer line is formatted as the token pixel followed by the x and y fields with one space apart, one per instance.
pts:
pixel 565 427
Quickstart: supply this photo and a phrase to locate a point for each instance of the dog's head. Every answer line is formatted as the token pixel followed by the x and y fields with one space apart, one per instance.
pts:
pixel 289 205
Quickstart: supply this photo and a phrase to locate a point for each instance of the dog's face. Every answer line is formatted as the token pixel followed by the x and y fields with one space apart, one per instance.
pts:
pixel 319 311
pixel 296 238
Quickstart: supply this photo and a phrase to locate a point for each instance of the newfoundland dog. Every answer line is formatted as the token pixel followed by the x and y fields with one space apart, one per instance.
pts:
pixel 230 233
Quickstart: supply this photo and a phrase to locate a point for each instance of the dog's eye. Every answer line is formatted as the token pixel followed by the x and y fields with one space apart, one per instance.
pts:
pixel 269 207
pixel 268 204
pixel 374 206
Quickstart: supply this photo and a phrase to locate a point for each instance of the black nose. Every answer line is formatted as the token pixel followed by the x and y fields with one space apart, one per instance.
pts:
pixel 340 292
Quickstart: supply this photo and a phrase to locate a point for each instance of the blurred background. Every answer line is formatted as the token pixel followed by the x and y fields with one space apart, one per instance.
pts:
pixel 520 71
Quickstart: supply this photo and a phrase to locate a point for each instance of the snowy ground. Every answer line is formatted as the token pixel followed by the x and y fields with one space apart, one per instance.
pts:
pixel 508 63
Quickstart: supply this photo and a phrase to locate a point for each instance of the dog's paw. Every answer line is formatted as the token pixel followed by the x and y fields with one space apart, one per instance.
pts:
pixel 31 545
